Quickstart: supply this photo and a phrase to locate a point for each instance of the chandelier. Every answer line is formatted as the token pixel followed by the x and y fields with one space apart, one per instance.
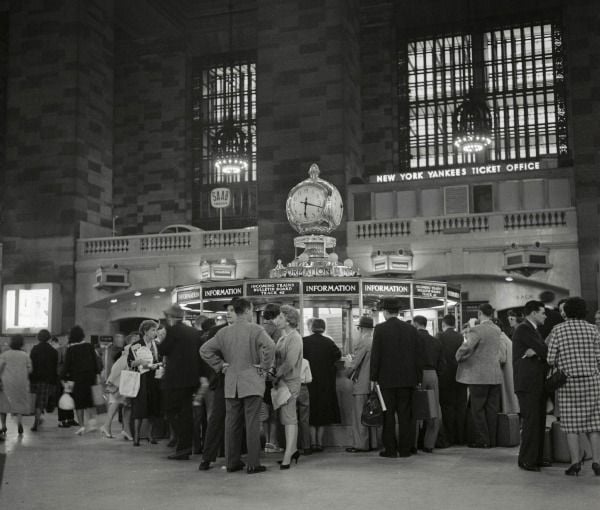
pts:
pixel 472 124
pixel 230 154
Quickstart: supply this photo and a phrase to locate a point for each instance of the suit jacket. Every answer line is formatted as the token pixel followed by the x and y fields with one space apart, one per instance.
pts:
pixel 481 355
pixel 553 318
pixel 244 346
pixel 451 340
pixel 396 357
pixel 431 348
pixel 362 380
pixel 528 373
pixel 183 364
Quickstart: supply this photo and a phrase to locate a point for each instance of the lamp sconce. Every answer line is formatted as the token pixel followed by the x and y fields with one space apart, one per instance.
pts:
pixel 392 263
pixel 112 278
pixel 526 260
pixel 223 269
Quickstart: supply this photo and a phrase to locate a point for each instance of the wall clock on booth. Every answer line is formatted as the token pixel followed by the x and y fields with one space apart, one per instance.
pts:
pixel 314 206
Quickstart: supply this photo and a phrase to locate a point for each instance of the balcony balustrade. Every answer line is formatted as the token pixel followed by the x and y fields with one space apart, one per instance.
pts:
pixel 157 245
pixel 361 232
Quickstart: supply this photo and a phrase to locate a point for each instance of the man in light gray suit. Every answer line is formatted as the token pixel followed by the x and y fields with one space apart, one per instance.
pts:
pixel 243 351
pixel 361 387
pixel 479 365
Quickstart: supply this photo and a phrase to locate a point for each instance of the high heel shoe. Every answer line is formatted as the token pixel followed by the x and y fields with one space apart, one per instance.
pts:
pixel 126 436
pixel 295 456
pixel 596 468
pixel 20 429
pixel 573 469
pixel 136 442
pixel 80 431
pixel 105 432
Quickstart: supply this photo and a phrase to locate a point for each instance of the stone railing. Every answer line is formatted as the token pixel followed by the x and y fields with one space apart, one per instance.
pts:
pixel 379 229
pixel 494 223
pixel 156 245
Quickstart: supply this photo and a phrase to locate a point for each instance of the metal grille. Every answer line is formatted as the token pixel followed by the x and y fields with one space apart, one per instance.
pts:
pixel 524 87
pixel 217 87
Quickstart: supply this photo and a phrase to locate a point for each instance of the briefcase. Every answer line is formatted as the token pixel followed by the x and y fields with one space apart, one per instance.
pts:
pixel 423 404
pixel 508 433
pixel 560 448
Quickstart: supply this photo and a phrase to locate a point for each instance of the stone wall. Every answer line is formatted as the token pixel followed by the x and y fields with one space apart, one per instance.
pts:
pixel 308 108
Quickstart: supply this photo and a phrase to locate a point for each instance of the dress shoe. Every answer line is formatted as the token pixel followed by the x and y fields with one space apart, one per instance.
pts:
pixel 204 466
pixel 573 469
pixel 479 445
pixel 427 450
pixel 237 467
pixel 256 469
pixel 596 468
pixel 172 443
pixel 383 453
pixel 355 450
pixel 179 456
pixel 528 467
pixel 545 463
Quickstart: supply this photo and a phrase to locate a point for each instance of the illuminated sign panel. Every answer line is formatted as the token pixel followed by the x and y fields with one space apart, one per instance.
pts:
pixel 27 308
pixel 463 171
pixel 272 289
pixel 386 289
pixel 230 291
pixel 425 290
pixel 188 295
pixel 327 287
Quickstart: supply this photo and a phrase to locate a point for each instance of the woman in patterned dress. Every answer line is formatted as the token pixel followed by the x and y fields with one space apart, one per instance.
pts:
pixel 15 367
pixel 574 348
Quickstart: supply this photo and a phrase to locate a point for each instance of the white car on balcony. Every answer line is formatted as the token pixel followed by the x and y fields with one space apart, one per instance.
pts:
pixel 177 229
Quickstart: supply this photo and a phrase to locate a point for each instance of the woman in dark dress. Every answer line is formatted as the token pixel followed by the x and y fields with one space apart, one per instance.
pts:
pixel 322 353
pixel 44 360
pixel 81 367
pixel 143 356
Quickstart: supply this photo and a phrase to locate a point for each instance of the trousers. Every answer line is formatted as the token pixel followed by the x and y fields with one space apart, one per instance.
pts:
pixel 533 425
pixel 240 411
pixel 398 402
pixel 215 425
pixel 485 406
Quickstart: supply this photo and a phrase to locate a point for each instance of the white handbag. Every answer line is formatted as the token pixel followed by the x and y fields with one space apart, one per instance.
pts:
pixel 129 384
pixel 66 402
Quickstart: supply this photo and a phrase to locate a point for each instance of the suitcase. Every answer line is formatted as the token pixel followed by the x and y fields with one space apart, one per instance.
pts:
pixel 547 456
pixel 508 430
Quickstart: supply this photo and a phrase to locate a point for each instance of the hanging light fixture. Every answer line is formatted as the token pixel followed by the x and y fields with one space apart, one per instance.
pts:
pixel 472 124
pixel 472 120
pixel 230 152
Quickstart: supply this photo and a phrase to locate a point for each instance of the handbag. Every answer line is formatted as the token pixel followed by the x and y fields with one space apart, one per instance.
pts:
pixel 423 404
pixel 280 395
pixel 66 402
pixel 372 412
pixel 129 384
pixel 556 379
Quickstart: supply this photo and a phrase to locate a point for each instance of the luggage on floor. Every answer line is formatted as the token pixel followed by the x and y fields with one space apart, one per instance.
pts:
pixel 508 430
pixel 547 457
pixel 560 448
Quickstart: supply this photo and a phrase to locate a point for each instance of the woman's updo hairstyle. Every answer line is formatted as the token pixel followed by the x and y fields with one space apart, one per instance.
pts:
pixel 292 316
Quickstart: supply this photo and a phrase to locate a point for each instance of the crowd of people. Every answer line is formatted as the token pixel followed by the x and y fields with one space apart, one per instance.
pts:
pixel 240 387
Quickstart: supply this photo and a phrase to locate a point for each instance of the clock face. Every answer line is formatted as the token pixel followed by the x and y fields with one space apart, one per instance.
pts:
pixel 307 203
pixel 336 208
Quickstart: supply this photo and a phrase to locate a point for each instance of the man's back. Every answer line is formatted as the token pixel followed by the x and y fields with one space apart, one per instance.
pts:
pixel 480 356
pixel 451 340
pixel 395 355
pixel 180 346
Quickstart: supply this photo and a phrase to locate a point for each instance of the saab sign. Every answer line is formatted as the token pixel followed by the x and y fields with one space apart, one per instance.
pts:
pixel 220 197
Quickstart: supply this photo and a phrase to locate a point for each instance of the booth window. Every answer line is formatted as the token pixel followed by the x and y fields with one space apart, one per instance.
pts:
pixel 524 88
pixel 216 85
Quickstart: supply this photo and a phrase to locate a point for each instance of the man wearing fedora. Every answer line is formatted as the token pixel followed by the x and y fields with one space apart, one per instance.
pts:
pixel 397 367
pixel 183 371
pixel 360 376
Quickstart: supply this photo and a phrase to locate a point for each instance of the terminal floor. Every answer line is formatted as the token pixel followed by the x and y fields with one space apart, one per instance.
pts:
pixel 55 469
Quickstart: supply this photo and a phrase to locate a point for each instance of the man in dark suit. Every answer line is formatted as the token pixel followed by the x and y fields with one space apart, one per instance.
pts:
pixel 453 395
pixel 397 367
pixel 553 316
pixel 181 378
pixel 529 369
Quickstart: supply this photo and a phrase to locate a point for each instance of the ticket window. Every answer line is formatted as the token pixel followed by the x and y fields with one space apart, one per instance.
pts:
pixel 337 319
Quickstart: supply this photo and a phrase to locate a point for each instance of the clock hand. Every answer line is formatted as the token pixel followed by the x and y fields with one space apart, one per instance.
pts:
pixel 314 205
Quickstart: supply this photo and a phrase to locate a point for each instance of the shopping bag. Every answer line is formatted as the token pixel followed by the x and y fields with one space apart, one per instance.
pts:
pixel 66 402
pixel 97 395
pixel 129 384
pixel 280 395
pixel 423 404
pixel 372 412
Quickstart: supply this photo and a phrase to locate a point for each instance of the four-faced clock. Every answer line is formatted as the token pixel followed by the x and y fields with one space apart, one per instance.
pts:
pixel 314 206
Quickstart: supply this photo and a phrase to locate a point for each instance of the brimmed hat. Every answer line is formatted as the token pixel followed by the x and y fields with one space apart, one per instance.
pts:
pixel 391 304
pixel 366 322
pixel 175 311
